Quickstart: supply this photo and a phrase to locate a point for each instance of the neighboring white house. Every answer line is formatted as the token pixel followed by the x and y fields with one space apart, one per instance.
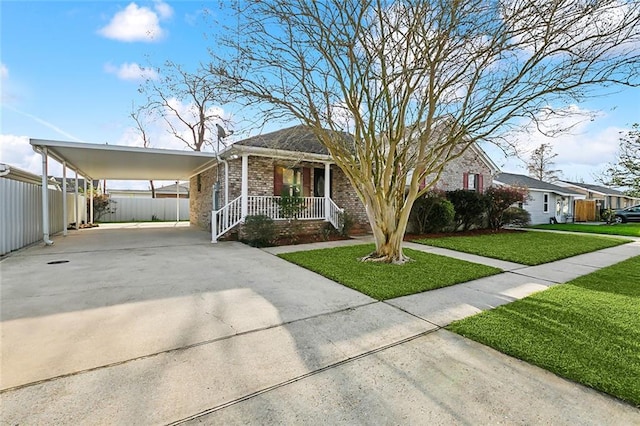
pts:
pixel 546 201
pixel 605 197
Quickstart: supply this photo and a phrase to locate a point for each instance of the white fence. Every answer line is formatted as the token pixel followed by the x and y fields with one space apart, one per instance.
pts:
pixel 145 209
pixel 21 213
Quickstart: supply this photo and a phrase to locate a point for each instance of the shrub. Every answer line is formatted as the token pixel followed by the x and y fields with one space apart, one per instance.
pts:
pixel 432 213
pixel 470 208
pixel 346 223
pixel 259 230
pixel 102 205
pixel 516 216
pixel 500 199
pixel 290 206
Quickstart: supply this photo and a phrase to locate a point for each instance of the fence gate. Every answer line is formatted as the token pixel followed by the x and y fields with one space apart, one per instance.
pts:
pixel 585 210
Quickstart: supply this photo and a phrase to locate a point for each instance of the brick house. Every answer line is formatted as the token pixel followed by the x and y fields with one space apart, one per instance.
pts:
pixel 252 175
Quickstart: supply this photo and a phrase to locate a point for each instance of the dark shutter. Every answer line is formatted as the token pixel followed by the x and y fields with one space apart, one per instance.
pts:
pixel 277 181
pixel 479 183
pixel 465 181
pixel 306 182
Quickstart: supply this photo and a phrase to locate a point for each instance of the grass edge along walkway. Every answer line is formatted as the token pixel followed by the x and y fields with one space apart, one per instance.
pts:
pixel 587 330
pixel 622 229
pixel 526 247
pixel 426 271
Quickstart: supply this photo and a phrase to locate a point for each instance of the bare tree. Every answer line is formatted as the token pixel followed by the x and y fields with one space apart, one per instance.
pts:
pixel 417 82
pixel 140 117
pixel 625 171
pixel 541 162
pixel 187 102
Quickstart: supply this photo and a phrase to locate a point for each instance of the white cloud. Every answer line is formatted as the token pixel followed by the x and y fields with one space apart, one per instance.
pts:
pixel 136 23
pixel 583 151
pixel 4 71
pixel 163 9
pixel 17 152
pixel 131 72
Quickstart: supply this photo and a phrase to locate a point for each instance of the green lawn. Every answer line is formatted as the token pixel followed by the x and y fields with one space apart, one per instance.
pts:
pixel 625 229
pixel 525 247
pixel 587 330
pixel 385 281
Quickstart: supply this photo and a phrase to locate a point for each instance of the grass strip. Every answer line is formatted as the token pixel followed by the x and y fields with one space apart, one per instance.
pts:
pixel 624 229
pixel 587 330
pixel 525 247
pixel 382 281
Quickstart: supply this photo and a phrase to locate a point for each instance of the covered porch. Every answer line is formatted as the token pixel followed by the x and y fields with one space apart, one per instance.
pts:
pixel 310 193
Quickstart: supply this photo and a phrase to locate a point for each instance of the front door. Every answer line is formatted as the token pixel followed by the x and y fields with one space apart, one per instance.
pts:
pixel 318 183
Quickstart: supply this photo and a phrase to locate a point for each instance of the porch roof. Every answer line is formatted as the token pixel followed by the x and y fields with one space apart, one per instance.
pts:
pixel 102 161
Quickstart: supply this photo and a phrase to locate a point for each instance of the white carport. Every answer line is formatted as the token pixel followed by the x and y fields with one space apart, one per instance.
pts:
pixel 102 161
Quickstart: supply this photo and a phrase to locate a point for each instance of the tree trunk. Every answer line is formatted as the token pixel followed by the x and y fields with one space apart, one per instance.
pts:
pixel 388 222
pixel 153 189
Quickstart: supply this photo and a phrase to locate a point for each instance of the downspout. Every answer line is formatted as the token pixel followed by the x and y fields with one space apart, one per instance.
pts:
pixel 226 182
pixel 45 198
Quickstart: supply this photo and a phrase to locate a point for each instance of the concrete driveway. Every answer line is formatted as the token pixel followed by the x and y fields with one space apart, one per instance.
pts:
pixel 158 326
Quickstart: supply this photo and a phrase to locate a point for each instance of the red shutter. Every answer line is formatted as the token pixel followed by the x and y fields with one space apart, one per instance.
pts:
pixel 277 181
pixel 465 181
pixel 480 183
pixel 306 182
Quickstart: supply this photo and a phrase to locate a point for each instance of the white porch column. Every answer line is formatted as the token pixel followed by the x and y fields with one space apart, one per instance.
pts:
pixel 91 201
pixel 327 189
pixel 45 197
pixel 64 199
pixel 77 202
pixel 245 185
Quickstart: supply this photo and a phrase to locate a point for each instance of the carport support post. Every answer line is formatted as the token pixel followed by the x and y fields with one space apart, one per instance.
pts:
pixel 245 185
pixel 77 202
pixel 45 197
pixel 64 198
pixel 327 188
pixel 84 204
pixel 177 202
pixel 91 200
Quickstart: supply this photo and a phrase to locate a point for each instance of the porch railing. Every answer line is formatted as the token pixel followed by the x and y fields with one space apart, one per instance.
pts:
pixel 226 218
pixel 335 215
pixel 310 208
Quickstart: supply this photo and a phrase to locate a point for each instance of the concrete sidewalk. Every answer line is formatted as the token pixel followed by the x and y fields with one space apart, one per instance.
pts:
pixel 182 331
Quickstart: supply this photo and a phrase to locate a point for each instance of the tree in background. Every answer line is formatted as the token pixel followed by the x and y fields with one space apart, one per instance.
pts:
pixel 140 116
pixel 416 83
pixel 625 171
pixel 541 162
pixel 187 102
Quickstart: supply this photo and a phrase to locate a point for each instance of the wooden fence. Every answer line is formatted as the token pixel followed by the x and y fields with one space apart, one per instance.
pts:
pixel 585 211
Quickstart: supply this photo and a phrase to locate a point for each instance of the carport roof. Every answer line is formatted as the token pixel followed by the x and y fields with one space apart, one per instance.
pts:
pixel 125 162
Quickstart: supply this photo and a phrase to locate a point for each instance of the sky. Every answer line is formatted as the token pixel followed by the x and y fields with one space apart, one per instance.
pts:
pixel 71 71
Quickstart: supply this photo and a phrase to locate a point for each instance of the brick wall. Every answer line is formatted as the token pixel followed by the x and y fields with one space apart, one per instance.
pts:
pixel 343 194
pixel 452 175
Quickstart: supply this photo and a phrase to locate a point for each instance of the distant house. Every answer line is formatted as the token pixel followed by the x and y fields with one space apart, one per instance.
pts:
pixel 254 174
pixel 604 197
pixel 547 202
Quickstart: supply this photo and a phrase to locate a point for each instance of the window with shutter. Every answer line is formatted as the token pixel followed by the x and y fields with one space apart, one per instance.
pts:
pixel 289 181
